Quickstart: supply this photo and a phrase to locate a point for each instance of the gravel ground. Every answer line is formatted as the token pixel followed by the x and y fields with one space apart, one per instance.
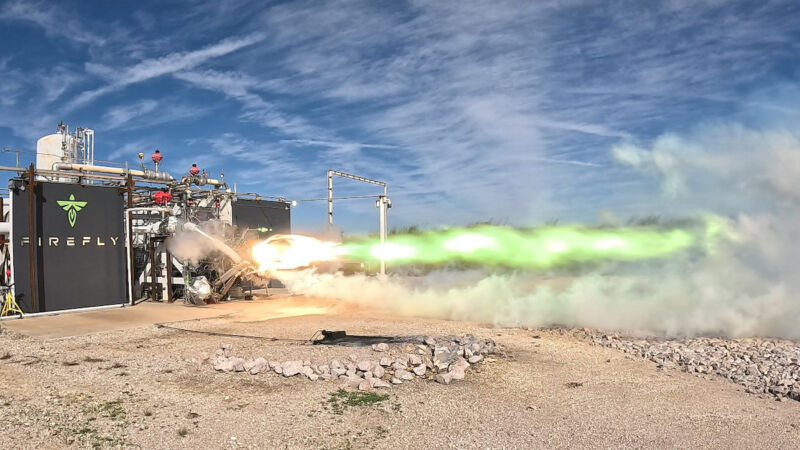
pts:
pixel 150 387
pixel 762 366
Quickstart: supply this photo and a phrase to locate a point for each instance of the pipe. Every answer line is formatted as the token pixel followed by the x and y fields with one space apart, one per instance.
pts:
pixel 382 224
pixel 330 197
pixel 221 246
pixel 146 173
pixel 65 311
pixel 201 181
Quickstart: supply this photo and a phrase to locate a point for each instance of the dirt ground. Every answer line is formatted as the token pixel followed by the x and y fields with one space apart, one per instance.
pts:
pixel 133 384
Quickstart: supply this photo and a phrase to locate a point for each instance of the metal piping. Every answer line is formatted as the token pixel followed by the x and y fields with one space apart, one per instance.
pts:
pixel 65 311
pixel 146 173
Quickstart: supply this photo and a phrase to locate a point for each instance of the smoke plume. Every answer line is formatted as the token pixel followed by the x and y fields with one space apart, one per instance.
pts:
pixel 188 245
pixel 745 285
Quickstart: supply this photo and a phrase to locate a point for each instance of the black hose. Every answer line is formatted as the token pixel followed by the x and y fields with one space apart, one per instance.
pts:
pixel 246 336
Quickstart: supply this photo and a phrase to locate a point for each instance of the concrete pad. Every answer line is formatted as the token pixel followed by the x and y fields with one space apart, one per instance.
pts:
pixel 99 320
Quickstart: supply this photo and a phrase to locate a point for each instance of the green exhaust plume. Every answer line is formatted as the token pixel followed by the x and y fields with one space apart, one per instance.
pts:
pixel 534 248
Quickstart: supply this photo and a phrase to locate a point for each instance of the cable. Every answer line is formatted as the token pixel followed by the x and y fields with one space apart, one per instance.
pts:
pixel 336 198
pixel 246 336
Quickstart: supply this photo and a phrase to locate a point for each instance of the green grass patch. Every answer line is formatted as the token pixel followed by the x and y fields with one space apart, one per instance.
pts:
pixel 342 399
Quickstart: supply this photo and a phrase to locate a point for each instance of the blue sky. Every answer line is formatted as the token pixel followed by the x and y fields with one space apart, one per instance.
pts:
pixel 471 111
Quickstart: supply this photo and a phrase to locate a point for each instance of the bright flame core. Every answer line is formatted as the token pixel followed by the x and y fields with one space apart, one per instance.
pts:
pixel 291 251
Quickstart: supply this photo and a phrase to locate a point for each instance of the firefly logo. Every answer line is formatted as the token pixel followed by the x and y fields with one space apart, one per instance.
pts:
pixel 72 207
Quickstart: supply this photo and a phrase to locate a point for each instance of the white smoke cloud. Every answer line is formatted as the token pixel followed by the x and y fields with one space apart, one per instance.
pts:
pixel 745 286
pixel 190 246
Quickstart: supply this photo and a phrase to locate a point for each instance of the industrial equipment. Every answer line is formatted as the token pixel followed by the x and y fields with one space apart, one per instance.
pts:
pixel 79 234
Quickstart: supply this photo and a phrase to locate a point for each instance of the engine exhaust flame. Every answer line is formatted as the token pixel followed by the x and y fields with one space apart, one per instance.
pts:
pixel 492 246
pixel 291 251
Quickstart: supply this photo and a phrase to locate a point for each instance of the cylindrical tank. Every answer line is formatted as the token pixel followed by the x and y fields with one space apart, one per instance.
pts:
pixel 48 151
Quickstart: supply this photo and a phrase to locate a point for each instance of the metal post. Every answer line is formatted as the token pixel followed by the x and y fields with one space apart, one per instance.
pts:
pixel 330 197
pixel 129 231
pixel 169 275
pixel 153 277
pixel 382 223
pixel 32 239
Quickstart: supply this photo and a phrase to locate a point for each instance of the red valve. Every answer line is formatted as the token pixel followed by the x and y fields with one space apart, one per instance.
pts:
pixel 194 170
pixel 157 156
pixel 162 197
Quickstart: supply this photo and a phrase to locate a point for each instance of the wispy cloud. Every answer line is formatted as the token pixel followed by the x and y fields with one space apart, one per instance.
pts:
pixel 242 89
pixel 156 67
pixel 150 112
pixel 51 19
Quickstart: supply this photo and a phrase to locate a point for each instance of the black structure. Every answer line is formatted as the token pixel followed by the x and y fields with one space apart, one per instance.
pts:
pixel 268 217
pixel 79 246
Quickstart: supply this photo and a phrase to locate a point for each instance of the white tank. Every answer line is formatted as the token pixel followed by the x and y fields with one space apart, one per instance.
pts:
pixel 48 151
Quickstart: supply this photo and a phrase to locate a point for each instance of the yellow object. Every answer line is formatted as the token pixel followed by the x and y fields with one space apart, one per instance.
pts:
pixel 10 306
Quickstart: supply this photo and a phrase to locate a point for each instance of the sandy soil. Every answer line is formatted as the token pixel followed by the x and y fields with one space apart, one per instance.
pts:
pixel 150 387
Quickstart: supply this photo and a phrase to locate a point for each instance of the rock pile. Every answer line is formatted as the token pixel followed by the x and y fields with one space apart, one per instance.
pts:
pixel 443 359
pixel 766 366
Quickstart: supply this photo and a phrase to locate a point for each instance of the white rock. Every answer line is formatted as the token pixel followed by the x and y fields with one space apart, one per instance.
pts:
pixel 386 361
pixel 259 365
pixel 378 383
pixel 364 386
pixel 238 364
pixel 382 347
pixel 398 365
pixel 403 374
pixel 443 378
pixel 354 380
pixel 414 360
pixel 459 364
pixel 249 365
pixel 419 370
pixel 335 364
pixel 307 371
pixel 364 365
pixel 291 368
pixel 456 374
pixel 378 371
pixel 396 380
pixel 475 359
pixel 220 362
